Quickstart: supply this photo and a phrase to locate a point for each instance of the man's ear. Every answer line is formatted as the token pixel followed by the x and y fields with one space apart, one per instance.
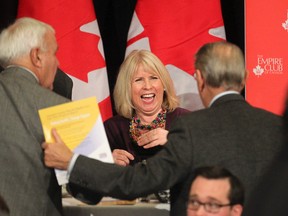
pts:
pixel 244 80
pixel 246 75
pixel 34 56
pixel 200 80
pixel 237 210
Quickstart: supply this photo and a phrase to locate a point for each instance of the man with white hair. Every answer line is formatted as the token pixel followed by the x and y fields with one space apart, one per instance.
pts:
pixel 28 55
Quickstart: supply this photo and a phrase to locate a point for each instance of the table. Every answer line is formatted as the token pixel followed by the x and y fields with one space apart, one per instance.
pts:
pixel 73 207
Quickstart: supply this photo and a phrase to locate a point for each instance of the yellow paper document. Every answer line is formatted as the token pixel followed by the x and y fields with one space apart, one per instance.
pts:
pixel 80 126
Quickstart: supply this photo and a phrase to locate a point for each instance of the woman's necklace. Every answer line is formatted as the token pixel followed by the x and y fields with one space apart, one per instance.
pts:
pixel 136 129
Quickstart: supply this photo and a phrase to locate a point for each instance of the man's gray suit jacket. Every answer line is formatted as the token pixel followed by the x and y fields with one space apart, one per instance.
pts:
pixel 230 133
pixel 28 187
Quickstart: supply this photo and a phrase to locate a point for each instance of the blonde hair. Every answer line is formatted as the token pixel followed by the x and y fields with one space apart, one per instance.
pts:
pixel 122 91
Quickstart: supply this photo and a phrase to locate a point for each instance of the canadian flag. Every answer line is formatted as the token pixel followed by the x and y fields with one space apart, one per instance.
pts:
pixel 80 53
pixel 174 31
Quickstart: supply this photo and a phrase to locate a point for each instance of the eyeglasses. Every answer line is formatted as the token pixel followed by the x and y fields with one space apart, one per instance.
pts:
pixel 210 207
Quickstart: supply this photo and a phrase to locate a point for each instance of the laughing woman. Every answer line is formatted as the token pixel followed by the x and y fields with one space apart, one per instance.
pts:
pixel 146 103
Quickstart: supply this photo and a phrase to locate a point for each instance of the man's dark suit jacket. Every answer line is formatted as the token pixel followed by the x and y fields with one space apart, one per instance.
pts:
pixel 271 194
pixel 230 133
pixel 63 84
pixel 26 184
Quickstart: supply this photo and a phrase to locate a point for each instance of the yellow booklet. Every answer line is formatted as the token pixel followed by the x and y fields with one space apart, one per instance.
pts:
pixel 80 126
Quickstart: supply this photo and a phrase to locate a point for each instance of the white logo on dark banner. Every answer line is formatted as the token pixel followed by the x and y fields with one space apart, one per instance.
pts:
pixel 271 66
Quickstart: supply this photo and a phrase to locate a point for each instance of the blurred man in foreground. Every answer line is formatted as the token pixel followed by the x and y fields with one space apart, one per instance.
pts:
pixel 215 191
pixel 271 194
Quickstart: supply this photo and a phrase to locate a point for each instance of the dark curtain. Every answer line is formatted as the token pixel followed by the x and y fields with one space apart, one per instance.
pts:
pixel 114 19
pixel 8 12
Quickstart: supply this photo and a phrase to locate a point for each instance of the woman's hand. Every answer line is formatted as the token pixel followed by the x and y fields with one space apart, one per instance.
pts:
pixel 122 157
pixel 57 155
pixel 153 138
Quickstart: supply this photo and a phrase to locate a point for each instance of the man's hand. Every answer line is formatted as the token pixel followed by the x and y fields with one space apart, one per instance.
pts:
pixel 56 155
pixel 122 157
